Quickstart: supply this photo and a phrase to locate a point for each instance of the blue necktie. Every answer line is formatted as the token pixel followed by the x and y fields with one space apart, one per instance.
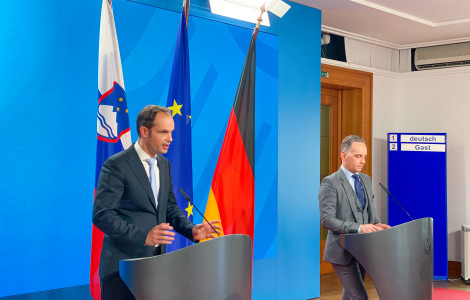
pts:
pixel 359 190
pixel 153 181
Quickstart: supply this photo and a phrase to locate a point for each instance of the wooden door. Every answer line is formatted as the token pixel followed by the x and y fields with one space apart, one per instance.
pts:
pixel 355 104
pixel 329 151
pixel 346 99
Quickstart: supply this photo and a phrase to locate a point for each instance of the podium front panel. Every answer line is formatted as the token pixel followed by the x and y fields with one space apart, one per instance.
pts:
pixel 399 260
pixel 216 269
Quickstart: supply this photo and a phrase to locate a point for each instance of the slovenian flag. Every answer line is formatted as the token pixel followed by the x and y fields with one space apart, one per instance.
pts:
pixel 112 119
pixel 232 194
pixel 179 102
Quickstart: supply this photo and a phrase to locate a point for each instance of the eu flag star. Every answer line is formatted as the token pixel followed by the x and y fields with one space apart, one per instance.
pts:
pixel 189 209
pixel 175 109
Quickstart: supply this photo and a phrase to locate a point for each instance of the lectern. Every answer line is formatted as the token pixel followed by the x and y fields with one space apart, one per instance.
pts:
pixel 399 260
pixel 216 269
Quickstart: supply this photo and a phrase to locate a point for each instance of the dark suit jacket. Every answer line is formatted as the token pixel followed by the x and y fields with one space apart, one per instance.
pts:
pixel 124 209
pixel 341 212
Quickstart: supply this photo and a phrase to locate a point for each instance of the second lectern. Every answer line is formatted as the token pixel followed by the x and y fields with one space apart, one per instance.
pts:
pixel 217 269
pixel 399 260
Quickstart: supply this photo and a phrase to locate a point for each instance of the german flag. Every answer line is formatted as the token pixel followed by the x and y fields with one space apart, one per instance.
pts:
pixel 232 194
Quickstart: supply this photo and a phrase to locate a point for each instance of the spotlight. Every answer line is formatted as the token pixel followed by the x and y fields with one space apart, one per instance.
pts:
pixel 325 39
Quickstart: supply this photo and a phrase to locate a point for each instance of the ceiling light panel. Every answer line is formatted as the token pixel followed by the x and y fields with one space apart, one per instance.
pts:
pixel 244 10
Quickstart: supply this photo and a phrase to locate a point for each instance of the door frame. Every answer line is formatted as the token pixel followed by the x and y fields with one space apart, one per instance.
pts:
pixel 356 89
pixel 352 114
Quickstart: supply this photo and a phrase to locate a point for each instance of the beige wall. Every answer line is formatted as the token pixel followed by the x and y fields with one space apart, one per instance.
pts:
pixel 430 101
pixel 425 101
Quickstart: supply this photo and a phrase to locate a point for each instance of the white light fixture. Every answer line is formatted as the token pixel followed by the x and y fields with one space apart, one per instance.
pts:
pixel 278 7
pixel 248 10
pixel 325 39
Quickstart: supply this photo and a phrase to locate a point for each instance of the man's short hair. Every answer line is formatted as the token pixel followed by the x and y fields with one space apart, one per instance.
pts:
pixel 347 142
pixel 148 114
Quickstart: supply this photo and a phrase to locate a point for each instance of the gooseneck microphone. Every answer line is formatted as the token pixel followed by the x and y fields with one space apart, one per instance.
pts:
pixel 388 193
pixel 192 203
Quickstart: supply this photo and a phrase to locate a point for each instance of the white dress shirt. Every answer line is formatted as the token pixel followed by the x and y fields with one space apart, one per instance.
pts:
pixel 143 156
pixel 349 177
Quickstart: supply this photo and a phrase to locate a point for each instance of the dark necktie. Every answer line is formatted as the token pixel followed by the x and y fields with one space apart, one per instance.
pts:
pixel 359 190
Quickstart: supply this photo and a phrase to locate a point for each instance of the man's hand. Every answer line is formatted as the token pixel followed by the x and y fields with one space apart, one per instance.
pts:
pixel 383 226
pixel 367 228
pixel 160 234
pixel 204 231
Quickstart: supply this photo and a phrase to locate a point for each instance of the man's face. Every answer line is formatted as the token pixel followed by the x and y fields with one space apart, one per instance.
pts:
pixel 354 160
pixel 157 139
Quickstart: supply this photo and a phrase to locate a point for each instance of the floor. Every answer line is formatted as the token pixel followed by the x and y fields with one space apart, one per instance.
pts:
pixel 330 287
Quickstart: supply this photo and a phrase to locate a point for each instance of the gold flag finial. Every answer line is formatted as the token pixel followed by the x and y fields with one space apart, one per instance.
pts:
pixel 260 18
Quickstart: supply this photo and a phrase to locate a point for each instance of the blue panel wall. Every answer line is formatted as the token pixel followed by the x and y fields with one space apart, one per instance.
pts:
pixel 48 72
pixel 48 80
pixel 299 152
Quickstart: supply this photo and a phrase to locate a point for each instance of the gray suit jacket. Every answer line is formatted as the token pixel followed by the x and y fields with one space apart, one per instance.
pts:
pixel 341 212
pixel 124 209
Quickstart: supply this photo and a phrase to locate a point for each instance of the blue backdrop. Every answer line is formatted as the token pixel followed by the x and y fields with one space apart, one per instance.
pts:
pixel 48 77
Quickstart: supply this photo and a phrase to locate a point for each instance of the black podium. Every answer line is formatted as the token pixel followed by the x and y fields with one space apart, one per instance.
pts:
pixel 399 260
pixel 216 269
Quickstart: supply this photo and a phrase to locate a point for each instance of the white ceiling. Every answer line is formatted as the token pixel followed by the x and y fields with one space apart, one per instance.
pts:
pixel 398 24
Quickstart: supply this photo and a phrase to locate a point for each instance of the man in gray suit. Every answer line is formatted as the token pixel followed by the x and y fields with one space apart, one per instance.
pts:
pixel 346 206
pixel 135 206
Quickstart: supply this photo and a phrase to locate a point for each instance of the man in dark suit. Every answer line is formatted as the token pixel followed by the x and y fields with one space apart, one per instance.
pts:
pixel 346 206
pixel 135 206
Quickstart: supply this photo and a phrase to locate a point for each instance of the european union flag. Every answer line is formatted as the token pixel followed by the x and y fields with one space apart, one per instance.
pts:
pixel 180 154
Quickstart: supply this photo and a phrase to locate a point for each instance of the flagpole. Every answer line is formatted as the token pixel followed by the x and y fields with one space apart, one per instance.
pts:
pixel 179 101
pixel 186 11
pixel 259 20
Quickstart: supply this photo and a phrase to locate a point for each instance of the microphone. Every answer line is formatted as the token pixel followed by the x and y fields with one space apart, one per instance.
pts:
pixel 192 203
pixel 388 193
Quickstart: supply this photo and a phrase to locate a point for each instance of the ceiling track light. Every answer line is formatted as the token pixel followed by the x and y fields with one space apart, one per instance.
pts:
pixel 248 10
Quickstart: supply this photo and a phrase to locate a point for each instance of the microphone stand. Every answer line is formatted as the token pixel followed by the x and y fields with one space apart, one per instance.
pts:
pixel 192 203
pixel 388 193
